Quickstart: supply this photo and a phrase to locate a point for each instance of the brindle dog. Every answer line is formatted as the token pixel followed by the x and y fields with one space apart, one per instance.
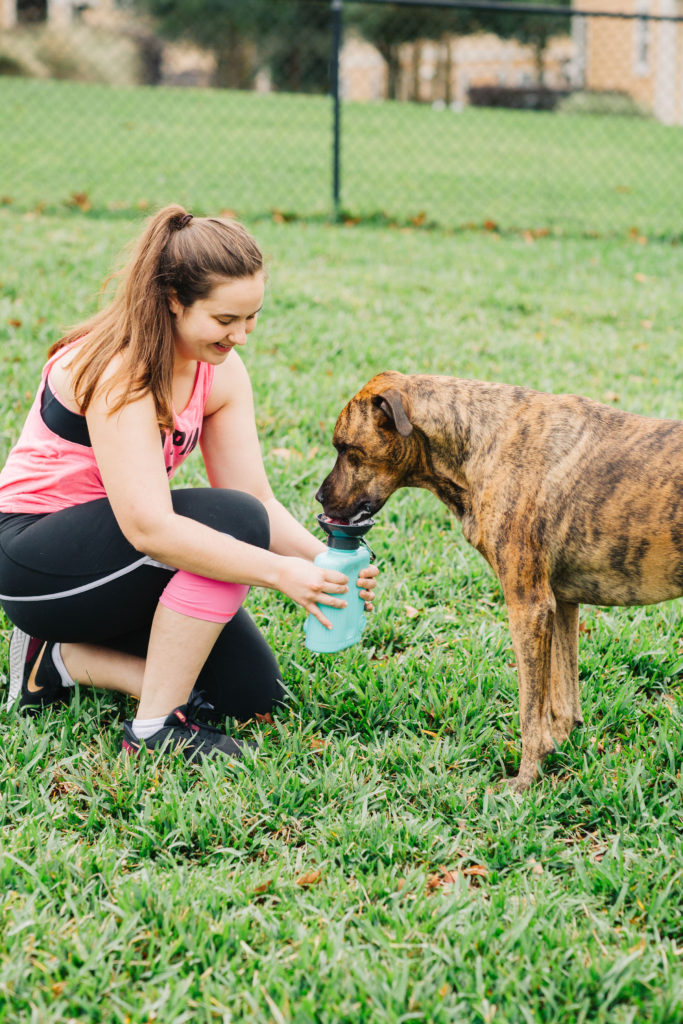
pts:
pixel 568 500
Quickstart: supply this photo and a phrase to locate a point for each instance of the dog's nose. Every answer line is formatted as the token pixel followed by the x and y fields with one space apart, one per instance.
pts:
pixel 319 494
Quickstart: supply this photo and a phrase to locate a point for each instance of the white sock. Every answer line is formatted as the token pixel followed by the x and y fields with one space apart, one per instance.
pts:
pixel 145 727
pixel 60 666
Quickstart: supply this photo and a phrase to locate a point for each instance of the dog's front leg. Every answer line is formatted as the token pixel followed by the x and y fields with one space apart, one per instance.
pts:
pixel 565 704
pixel 531 619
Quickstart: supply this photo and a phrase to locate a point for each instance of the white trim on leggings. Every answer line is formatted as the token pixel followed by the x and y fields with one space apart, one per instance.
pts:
pixel 146 560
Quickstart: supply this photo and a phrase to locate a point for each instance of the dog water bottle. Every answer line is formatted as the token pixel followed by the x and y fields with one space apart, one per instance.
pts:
pixel 348 553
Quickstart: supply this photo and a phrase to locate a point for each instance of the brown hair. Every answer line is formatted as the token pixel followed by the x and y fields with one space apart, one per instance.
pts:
pixel 176 252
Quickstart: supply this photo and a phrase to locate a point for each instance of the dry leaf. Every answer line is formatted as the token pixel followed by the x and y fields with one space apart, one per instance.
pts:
pixel 641 278
pixel 264 887
pixel 411 612
pixel 14 323
pixel 478 870
pixel 281 453
pixel 80 200
pixel 310 878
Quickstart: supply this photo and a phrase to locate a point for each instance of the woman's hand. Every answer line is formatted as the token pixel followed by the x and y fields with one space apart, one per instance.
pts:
pixel 366 582
pixel 309 586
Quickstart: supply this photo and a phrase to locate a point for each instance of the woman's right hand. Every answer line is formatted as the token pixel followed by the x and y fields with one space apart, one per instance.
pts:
pixel 309 586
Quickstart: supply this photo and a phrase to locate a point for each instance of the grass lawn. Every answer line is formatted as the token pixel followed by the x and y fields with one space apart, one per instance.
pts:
pixel 120 149
pixel 370 864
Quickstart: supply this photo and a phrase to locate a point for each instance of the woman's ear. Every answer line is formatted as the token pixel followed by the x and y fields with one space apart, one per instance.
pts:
pixel 174 303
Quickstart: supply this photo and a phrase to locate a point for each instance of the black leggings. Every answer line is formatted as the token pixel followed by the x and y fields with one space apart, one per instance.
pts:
pixel 71 576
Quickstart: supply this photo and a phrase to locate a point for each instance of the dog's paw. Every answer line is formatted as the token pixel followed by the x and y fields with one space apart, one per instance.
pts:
pixel 519 783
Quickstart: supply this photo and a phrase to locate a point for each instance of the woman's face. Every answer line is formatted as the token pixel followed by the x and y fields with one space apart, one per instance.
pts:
pixel 209 329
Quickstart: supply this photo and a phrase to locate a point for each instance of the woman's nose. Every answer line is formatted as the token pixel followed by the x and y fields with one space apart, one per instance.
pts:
pixel 238 334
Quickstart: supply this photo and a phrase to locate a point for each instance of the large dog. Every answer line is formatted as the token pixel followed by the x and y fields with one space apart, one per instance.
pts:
pixel 568 500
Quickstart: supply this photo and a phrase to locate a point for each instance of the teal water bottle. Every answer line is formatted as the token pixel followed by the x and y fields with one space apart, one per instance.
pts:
pixel 346 552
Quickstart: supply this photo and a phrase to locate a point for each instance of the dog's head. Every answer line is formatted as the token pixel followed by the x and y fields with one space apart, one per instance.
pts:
pixel 376 449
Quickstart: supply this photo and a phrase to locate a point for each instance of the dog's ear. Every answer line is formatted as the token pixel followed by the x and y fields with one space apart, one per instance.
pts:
pixel 391 405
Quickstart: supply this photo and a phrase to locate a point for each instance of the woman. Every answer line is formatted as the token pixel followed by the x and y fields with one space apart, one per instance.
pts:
pixel 128 584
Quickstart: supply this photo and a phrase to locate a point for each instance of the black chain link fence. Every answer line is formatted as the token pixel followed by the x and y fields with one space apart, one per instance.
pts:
pixel 503 115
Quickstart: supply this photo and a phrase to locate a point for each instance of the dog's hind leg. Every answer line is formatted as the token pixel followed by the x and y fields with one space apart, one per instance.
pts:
pixel 565 705
pixel 531 627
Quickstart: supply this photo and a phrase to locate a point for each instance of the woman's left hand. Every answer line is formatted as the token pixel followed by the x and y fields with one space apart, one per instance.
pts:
pixel 366 582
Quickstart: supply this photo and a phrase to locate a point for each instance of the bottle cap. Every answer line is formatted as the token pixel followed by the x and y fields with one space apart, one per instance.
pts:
pixel 345 533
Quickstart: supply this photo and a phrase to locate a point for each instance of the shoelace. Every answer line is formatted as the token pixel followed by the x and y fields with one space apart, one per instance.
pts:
pixel 199 702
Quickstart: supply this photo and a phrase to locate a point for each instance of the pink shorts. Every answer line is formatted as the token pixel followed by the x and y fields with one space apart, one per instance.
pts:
pixel 203 598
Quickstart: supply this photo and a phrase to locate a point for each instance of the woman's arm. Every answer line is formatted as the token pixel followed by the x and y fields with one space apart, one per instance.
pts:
pixel 232 456
pixel 130 459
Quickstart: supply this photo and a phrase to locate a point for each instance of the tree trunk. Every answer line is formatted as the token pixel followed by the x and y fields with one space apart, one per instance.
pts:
pixel 416 62
pixel 447 70
pixel 234 67
pixel 391 56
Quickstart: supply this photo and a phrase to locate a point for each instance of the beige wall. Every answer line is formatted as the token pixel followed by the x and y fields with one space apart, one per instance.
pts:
pixel 641 59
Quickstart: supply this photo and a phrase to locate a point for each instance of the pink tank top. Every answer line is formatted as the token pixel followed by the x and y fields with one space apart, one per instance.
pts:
pixel 47 471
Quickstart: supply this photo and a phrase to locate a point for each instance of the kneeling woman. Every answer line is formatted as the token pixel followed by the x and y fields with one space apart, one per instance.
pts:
pixel 110 577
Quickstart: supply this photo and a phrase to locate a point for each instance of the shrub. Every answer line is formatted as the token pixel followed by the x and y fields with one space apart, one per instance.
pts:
pixel 531 97
pixel 11 66
pixel 618 104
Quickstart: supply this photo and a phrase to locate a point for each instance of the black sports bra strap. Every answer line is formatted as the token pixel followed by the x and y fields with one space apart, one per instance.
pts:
pixel 62 421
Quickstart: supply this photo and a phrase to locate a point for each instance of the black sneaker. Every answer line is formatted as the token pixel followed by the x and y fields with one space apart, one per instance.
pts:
pixel 34 677
pixel 195 741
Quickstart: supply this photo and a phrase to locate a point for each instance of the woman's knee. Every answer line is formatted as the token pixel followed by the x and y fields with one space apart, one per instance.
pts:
pixel 236 513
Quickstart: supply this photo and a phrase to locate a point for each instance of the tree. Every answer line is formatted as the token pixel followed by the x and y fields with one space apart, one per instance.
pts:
pixel 289 37
pixel 224 26
pixel 389 26
pixel 295 41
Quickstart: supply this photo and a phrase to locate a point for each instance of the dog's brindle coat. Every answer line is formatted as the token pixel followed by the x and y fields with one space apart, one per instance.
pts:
pixel 568 500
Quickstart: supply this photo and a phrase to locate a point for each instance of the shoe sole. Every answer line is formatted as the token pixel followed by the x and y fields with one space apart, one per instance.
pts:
pixel 18 649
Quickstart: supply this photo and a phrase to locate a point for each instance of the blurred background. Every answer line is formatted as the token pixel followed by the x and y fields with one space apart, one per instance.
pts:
pixel 546 119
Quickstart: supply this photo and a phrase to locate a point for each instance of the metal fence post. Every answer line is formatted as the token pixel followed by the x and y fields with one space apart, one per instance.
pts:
pixel 337 9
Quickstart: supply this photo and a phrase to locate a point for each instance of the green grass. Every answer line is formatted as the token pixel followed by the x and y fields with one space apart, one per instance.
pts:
pixel 126 148
pixel 370 864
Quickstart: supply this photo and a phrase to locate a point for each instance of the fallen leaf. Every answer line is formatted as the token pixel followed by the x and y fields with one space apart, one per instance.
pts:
pixel 641 278
pixel 264 718
pixel 80 200
pixel 14 323
pixel 490 225
pixel 264 887
pixel 477 870
pixel 310 878
pixel 281 453
pixel 411 612
pixel 612 396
